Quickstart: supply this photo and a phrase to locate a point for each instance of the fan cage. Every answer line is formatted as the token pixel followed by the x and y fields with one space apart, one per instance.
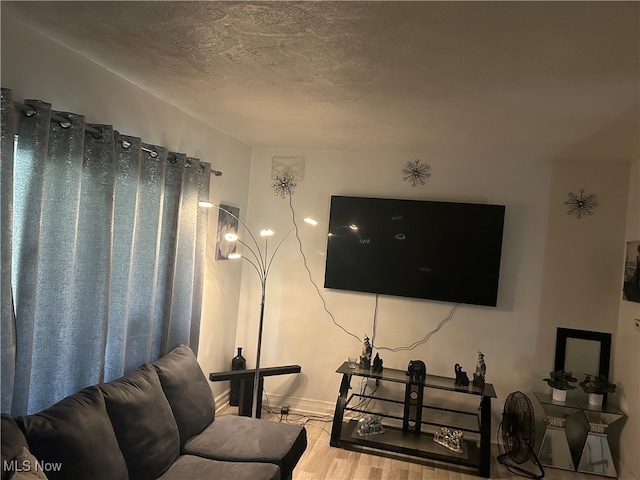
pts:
pixel 517 432
pixel 517 429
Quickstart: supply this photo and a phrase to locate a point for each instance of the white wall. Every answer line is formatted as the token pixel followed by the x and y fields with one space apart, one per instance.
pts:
pixel 627 353
pixel 581 289
pixel 35 67
pixel 297 330
pixel 556 271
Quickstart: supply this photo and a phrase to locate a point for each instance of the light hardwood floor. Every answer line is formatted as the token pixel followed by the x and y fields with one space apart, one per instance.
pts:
pixel 323 462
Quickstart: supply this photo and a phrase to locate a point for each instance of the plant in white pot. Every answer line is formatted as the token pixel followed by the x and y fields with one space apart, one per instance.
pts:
pixel 559 381
pixel 596 387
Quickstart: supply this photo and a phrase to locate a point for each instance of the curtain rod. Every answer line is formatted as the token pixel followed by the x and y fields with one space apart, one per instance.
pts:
pixel 29 110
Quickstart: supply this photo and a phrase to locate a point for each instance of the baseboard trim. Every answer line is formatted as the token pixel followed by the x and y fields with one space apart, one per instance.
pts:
pixel 222 400
pixel 298 404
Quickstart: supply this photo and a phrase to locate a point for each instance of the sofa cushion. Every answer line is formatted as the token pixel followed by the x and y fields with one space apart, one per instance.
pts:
pixel 196 468
pixel 76 434
pixel 247 439
pixel 187 390
pixel 143 423
pixel 12 442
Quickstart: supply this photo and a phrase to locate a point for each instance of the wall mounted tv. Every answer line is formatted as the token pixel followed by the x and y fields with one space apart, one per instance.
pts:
pixel 415 248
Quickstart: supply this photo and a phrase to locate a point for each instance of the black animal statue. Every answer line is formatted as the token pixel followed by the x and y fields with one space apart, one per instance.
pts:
pixel 416 370
pixel 461 377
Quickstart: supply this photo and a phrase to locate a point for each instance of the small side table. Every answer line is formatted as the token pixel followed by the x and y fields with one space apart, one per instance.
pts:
pixel 247 378
pixel 554 449
pixel 596 455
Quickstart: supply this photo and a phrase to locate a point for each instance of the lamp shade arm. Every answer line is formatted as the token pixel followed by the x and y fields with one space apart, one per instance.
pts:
pixel 261 272
pixel 268 266
pixel 258 258
pixel 262 264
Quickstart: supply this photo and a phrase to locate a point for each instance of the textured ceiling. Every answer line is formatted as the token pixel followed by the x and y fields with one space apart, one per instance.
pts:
pixel 377 75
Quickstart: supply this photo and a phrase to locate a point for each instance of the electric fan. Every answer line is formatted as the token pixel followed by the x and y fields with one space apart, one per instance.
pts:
pixel 517 432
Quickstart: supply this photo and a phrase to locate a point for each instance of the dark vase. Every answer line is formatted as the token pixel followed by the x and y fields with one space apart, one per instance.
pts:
pixel 237 363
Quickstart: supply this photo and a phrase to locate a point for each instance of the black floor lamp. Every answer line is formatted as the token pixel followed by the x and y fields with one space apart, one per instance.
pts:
pixel 261 260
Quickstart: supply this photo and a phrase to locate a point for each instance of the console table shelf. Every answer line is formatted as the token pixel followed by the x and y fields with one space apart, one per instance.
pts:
pixel 410 443
pixel 419 419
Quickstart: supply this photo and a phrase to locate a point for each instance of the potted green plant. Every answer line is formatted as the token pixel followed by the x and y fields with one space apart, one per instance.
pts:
pixel 560 382
pixel 596 387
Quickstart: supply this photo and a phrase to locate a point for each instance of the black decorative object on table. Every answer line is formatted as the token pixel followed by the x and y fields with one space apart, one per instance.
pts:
pixel 377 364
pixel 237 363
pixel 417 370
pixel 481 370
pixel 461 377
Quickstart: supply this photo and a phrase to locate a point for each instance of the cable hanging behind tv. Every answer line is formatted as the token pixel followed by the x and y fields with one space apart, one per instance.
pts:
pixel 444 251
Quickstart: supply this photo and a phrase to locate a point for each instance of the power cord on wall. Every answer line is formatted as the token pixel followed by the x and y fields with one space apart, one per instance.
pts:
pixel 375 311
pixel 306 267
pixel 426 337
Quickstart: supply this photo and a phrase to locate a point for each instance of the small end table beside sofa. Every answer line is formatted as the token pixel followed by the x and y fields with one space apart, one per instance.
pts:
pixel 246 379
pixel 157 422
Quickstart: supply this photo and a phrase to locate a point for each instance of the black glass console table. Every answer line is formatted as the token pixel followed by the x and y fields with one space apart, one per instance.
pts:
pixel 413 435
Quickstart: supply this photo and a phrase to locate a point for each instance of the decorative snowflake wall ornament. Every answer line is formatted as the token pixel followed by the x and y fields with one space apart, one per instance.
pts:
pixel 581 205
pixel 416 172
pixel 283 184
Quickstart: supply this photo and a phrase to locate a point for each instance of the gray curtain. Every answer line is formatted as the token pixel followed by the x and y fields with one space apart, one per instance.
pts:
pixel 102 265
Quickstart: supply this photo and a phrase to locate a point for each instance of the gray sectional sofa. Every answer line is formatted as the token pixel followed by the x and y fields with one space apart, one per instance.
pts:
pixel 154 423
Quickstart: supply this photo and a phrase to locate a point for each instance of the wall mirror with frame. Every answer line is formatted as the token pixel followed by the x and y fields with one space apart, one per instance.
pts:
pixel 583 352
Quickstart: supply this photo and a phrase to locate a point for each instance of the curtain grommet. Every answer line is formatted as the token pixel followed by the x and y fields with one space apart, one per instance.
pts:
pixel 97 134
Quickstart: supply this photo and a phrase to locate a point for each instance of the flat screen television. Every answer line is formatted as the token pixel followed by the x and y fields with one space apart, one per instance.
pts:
pixel 434 250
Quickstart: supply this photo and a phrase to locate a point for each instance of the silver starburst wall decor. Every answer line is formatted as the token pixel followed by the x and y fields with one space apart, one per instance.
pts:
pixel 416 172
pixel 283 184
pixel 581 205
